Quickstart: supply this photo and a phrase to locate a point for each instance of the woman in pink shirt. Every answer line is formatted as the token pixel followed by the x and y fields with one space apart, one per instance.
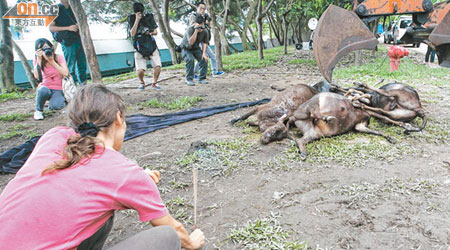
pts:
pixel 65 195
pixel 49 69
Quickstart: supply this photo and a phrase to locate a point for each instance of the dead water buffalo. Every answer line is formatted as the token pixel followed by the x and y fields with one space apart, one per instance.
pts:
pixel 271 117
pixel 398 101
pixel 328 114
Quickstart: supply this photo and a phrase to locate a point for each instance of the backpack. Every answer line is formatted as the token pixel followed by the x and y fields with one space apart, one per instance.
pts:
pixel 144 44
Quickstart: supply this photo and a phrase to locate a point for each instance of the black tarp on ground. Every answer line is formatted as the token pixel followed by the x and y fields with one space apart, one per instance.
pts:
pixel 13 159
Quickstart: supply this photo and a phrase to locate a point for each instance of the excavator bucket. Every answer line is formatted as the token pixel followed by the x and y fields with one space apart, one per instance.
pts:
pixel 440 38
pixel 338 33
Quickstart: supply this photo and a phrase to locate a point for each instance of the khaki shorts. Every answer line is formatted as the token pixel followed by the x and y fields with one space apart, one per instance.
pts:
pixel 141 62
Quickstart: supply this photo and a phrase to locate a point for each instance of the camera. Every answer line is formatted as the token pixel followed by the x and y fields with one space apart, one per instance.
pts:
pixel 207 17
pixel 48 51
pixel 199 28
pixel 149 21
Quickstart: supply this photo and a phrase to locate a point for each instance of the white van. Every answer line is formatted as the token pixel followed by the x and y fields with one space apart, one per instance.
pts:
pixel 399 29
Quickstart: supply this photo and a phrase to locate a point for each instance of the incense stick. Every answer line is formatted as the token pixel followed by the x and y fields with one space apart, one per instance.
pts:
pixel 194 180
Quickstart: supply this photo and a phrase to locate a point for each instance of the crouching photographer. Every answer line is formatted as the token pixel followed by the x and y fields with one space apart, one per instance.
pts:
pixel 143 31
pixel 195 35
pixel 49 69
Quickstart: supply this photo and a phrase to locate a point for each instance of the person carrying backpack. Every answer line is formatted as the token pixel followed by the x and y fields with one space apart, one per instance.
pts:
pixel 143 31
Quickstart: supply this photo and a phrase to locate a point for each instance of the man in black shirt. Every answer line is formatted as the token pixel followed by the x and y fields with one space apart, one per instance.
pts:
pixel 143 31
pixel 65 30
pixel 195 35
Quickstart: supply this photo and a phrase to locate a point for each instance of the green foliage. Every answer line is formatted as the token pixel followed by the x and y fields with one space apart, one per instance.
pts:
pixel 310 62
pixel 119 78
pixel 11 96
pixel 352 149
pixel 18 130
pixel 183 102
pixel 218 157
pixel 265 233
pixel 378 68
pixel 246 60
pixel 14 117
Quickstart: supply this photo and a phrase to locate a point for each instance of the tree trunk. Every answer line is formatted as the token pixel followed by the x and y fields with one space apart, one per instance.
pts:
pixel 259 24
pixel 215 29
pixel 163 23
pixel 223 38
pixel 285 31
pixel 274 29
pixel 26 65
pixel 86 40
pixel 247 21
pixel 6 54
pixel 260 30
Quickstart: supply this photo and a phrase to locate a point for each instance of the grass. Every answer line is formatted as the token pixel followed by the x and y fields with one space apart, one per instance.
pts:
pixel 119 78
pixel 310 62
pixel 378 68
pixel 246 59
pixel 15 117
pixel 178 207
pixel 265 233
pixel 183 102
pixel 15 95
pixel 367 192
pixel 18 117
pixel 251 131
pixel 219 158
pixel 18 130
pixel 355 149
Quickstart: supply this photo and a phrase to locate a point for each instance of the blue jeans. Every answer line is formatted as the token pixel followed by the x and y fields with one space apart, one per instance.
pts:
pixel 430 52
pixel 211 56
pixel 189 56
pixel 76 62
pixel 56 98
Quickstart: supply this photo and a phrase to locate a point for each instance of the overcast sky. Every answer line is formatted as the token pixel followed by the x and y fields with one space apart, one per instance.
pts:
pixel 98 31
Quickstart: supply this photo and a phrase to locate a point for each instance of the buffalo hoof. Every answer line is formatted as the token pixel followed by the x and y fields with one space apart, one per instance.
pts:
pixel 391 139
pixel 234 120
pixel 409 128
pixel 303 156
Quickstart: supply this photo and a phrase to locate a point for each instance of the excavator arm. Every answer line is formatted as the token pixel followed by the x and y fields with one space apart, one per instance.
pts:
pixel 340 32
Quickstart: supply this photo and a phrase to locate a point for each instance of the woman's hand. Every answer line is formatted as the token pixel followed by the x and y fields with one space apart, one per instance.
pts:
pixel 154 174
pixel 197 239
pixel 39 54
pixel 49 59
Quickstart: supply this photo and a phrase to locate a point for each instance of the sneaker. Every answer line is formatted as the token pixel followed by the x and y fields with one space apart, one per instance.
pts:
pixel 38 115
pixel 195 77
pixel 203 81
pixel 218 73
pixel 142 86
pixel 155 86
pixel 189 82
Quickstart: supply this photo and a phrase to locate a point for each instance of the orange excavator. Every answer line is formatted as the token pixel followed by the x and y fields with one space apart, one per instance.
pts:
pixel 340 31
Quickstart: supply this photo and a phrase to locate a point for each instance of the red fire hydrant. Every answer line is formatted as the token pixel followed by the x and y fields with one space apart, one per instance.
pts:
pixel 395 53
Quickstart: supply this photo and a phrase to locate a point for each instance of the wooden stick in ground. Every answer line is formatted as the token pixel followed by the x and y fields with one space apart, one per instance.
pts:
pixel 162 80
pixel 194 180
pixel 148 84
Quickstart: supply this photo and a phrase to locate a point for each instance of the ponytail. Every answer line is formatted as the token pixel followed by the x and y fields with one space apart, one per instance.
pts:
pixel 93 109
pixel 77 149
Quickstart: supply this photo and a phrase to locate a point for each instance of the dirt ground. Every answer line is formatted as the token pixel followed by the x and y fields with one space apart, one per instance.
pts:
pixel 378 196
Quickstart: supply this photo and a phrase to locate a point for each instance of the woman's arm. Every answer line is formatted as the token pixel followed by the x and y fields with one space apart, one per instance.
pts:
pixel 38 62
pixel 193 241
pixel 62 67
